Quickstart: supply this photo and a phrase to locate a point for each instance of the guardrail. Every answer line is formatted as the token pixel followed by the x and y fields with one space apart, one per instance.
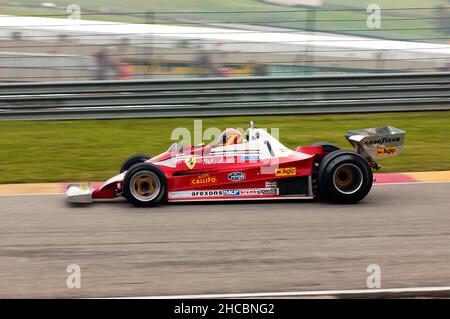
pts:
pixel 230 96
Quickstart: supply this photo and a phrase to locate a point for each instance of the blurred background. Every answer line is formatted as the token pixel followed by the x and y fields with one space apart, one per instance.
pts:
pixel 313 69
pixel 352 49
pixel 137 39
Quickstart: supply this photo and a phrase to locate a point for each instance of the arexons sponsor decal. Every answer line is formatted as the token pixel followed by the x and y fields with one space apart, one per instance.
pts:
pixel 383 140
pixel 236 176
pixel 203 179
pixel 207 193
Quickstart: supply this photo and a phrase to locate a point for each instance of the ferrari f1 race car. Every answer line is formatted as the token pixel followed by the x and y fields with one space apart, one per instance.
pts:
pixel 252 166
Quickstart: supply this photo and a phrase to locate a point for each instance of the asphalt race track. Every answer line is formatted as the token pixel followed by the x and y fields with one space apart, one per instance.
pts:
pixel 225 248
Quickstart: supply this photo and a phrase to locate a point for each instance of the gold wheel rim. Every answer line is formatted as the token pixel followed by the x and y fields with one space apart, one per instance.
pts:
pixel 145 186
pixel 348 178
pixel 344 177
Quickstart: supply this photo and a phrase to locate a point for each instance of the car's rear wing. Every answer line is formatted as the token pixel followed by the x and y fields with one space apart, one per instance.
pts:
pixel 377 143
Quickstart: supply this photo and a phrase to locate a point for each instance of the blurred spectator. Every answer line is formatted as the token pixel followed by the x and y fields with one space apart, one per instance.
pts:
pixel 103 64
pixel 124 71
pixel 110 67
pixel 260 70
pixel 207 66
pixel 226 71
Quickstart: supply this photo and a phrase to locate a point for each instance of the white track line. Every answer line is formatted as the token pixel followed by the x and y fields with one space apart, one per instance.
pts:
pixel 320 293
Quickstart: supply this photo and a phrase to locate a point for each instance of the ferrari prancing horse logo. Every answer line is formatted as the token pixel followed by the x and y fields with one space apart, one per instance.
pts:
pixel 190 162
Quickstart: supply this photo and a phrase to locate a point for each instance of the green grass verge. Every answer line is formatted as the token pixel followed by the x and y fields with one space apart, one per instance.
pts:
pixel 87 150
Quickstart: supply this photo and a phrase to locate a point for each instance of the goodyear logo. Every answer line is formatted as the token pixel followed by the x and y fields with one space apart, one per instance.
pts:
pixel 383 140
pixel 286 171
pixel 203 180
pixel 385 151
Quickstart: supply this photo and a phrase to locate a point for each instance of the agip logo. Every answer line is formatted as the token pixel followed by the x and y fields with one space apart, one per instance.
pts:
pixel 386 151
pixel 286 171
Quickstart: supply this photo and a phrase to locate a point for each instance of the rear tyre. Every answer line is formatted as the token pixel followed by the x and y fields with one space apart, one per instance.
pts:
pixel 144 185
pixel 133 161
pixel 326 146
pixel 344 177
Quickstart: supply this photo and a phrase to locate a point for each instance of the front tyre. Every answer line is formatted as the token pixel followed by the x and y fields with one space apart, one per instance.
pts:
pixel 344 177
pixel 144 185
pixel 133 161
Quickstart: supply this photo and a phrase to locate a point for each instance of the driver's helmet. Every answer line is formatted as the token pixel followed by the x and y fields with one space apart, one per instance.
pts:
pixel 230 136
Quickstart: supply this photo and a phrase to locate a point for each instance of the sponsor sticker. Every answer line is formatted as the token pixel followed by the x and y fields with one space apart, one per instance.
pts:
pixel 236 176
pixel 218 160
pixel 259 191
pixel 286 171
pixel 385 151
pixel 84 186
pixel 181 194
pixel 195 194
pixel 203 179
pixel 231 192
pixel 190 162
pixel 268 191
pixel 224 192
pixel 249 157
pixel 271 184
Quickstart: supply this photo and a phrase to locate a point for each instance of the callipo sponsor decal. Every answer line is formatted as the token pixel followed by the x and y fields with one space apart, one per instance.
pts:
pixel 203 179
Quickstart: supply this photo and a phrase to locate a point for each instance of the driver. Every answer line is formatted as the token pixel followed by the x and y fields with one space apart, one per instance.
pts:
pixel 229 137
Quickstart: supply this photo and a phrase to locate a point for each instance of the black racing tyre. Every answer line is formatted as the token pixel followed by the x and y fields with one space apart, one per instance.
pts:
pixel 326 146
pixel 133 161
pixel 344 177
pixel 144 185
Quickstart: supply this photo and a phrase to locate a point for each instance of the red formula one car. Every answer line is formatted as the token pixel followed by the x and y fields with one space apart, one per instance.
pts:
pixel 255 166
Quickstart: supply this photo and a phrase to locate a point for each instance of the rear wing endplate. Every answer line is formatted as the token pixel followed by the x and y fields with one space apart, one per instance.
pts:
pixel 377 143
